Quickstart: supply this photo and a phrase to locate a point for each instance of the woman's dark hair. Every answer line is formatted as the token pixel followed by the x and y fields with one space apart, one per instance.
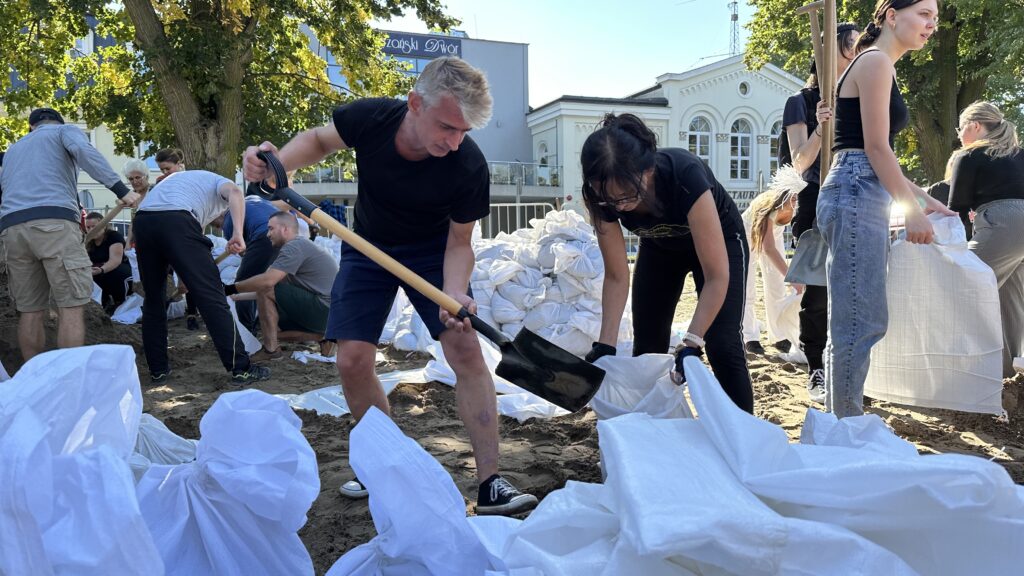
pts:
pixel 172 155
pixel 94 216
pixel 619 151
pixel 874 28
pixel 844 41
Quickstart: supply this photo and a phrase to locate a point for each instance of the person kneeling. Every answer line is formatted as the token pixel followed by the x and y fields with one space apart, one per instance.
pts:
pixel 294 295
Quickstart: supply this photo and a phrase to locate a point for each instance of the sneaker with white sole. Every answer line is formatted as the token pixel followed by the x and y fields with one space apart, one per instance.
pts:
pixel 498 496
pixel 353 489
pixel 816 386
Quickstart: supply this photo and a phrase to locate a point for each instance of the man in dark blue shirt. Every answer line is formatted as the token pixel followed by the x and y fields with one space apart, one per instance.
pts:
pixel 259 252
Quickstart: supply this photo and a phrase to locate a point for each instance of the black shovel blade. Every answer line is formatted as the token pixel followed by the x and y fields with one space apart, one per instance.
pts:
pixel 540 367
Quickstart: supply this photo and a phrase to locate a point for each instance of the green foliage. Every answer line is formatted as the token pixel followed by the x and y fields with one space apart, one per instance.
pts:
pixel 977 52
pixel 250 68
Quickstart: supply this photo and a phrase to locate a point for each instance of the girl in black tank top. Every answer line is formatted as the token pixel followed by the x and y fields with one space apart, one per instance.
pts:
pixel 855 197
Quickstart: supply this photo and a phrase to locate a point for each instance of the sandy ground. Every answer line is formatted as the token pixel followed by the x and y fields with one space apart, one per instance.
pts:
pixel 539 456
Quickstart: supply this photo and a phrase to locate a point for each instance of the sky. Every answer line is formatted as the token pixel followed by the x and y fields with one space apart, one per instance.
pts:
pixel 609 48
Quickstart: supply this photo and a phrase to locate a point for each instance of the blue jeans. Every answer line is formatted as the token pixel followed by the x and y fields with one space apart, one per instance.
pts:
pixel 853 217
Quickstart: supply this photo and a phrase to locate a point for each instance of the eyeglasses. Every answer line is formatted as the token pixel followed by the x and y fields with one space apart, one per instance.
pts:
pixel 620 201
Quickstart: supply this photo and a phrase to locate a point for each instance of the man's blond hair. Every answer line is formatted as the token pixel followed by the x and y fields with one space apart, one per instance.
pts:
pixel 468 85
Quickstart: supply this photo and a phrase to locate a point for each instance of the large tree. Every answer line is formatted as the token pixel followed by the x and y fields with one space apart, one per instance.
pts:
pixel 976 52
pixel 208 76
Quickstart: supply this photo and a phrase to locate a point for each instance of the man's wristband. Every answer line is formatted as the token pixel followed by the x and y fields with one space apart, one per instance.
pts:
pixel 230 289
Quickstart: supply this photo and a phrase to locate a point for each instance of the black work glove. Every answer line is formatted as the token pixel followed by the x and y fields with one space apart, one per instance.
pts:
pixel 679 376
pixel 230 290
pixel 598 350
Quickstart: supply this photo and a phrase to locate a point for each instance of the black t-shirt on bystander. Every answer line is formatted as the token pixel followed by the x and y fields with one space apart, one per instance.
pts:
pixel 979 178
pixel 401 201
pixel 680 179
pixel 100 254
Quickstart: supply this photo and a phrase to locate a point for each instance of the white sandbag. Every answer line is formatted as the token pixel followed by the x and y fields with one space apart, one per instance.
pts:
pixel 330 401
pixel 396 317
pixel 412 334
pixel 943 347
pixel 546 257
pixel 523 297
pixel 547 314
pixel 504 311
pixel 87 396
pixel 639 384
pixel 175 309
pixel 97 294
pixel 527 254
pixel 418 511
pixel 928 510
pixel 130 311
pixel 237 508
pixel 568 338
pixel 511 329
pixel 504 270
pixel 252 344
pixel 158 445
pixel 572 532
pixel 680 503
pixel 68 421
pixel 133 261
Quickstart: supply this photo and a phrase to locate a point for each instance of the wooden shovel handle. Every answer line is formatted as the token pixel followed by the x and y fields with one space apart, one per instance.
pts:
pixel 387 262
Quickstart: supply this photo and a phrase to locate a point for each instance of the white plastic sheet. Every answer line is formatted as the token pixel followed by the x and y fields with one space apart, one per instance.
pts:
pixel 639 384
pixel 130 311
pixel 237 508
pixel 68 420
pixel 418 511
pixel 942 514
pixel 252 344
pixel 331 400
pixel 943 347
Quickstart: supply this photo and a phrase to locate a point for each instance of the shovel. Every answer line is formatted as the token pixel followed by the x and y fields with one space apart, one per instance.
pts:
pixel 529 361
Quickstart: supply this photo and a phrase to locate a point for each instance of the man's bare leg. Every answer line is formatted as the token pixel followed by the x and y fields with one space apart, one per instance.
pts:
pixel 266 305
pixel 477 402
pixel 71 327
pixel 31 333
pixel 356 364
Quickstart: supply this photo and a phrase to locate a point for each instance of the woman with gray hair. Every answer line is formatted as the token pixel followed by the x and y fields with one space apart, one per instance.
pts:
pixel 987 176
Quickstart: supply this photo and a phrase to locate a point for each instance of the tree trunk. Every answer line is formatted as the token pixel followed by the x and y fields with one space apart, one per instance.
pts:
pixel 936 119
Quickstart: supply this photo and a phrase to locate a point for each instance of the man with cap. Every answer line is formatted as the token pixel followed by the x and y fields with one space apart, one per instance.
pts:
pixel 40 227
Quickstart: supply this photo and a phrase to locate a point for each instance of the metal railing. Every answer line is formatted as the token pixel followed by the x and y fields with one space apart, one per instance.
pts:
pixel 325 173
pixel 528 174
pixel 511 217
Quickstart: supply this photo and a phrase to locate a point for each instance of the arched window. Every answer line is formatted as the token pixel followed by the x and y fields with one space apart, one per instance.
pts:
pixel 739 150
pixel 698 138
pixel 774 145
pixel 85 199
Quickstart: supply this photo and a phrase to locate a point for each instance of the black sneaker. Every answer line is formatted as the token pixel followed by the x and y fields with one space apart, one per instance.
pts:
pixel 754 347
pixel 498 496
pixel 783 346
pixel 192 323
pixel 816 386
pixel 255 373
pixel 159 377
pixel 353 489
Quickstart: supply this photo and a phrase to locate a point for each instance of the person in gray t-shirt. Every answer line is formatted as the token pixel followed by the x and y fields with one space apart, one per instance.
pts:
pixel 294 294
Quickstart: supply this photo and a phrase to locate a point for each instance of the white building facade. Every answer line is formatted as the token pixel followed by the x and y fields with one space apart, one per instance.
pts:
pixel 728 115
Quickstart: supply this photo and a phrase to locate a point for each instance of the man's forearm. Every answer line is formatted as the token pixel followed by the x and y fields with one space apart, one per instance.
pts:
pixel 458 267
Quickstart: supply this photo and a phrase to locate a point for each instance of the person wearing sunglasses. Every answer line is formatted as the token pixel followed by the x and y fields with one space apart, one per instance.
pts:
pixel 686 223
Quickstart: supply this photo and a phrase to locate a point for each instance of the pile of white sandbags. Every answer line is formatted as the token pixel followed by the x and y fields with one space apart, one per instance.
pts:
pixel 546 278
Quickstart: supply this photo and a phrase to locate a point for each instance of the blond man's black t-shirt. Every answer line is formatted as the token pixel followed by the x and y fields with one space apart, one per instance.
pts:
pixel 403 201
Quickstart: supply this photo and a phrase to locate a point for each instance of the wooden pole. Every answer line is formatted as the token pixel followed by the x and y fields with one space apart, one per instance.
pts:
pixel 103 224
pixel 827 82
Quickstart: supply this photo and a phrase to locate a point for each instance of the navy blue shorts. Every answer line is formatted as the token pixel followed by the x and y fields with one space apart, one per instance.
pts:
pixel 363 292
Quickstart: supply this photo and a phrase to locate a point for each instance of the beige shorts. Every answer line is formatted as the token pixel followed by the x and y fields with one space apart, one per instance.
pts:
pixel 43 257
